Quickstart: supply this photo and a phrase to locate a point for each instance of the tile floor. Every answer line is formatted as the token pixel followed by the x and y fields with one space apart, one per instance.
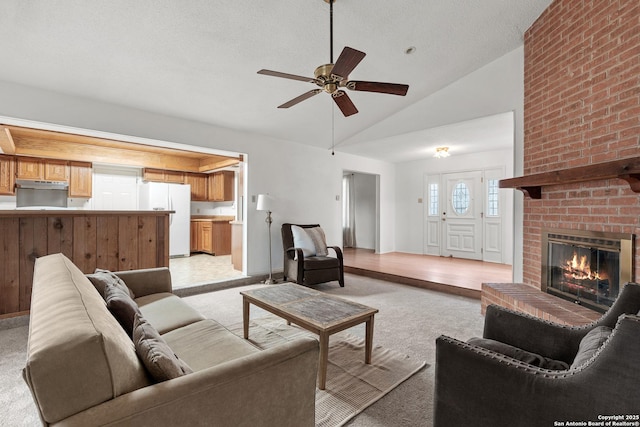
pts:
pixel 199 269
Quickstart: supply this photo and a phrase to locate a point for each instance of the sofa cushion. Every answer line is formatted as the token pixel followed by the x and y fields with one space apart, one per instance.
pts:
pixel 589 344
pixel 100 278
pixel 207 343
pixel 519 354
pixel 71 331
pixel 167 312
pixel 121 306
pixel 157 356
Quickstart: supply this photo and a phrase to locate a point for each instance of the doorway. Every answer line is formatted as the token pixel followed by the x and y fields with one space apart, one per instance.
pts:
pixel 464 214
pixel 360 210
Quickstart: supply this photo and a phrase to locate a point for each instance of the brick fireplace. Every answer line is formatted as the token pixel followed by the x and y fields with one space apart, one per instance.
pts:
pixel 582 107
pixel 581 111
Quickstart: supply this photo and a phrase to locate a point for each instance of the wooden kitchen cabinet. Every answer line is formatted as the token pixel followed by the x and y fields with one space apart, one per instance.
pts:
pixel 156 175
pixel 56 170
pixel 211 237
pixel 205 237
pixel 7 175
pixel 30 168
pixel 198 184
pixel 194 236
pixel 42 169
pixel 160 175
pixel 220 188
pixel 221 233
pixel 174 177
pixel 81 179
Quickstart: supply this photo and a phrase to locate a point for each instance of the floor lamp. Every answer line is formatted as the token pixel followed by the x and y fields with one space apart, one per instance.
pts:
pixel 265 203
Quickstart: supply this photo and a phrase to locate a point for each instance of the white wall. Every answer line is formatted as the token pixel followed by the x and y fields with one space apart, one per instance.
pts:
pixel 304 180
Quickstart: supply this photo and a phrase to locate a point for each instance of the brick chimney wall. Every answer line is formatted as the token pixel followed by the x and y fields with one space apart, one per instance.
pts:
pixel 582 107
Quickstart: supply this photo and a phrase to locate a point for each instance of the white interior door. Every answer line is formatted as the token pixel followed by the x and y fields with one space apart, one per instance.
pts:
pixel 462 215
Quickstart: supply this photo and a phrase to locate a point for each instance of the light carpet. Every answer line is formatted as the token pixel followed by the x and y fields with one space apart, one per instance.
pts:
pixel 351 385
pixel 410 320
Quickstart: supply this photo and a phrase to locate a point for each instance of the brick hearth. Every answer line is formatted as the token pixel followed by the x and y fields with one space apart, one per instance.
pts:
pixel 520 297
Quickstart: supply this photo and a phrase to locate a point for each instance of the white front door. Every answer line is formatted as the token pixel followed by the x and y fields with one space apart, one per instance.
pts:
pixel 462 215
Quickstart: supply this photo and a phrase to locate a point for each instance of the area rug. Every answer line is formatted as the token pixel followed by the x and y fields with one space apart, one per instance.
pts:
pixel 352 385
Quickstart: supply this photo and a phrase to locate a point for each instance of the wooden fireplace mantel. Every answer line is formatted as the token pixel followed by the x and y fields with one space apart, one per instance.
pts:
pixel 531 185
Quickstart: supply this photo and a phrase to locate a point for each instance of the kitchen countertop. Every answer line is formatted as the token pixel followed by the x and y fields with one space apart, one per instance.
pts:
pixel 216 218
pixel 75 212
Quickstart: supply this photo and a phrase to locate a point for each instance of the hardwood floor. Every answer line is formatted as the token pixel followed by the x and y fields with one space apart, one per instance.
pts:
pixel 452 275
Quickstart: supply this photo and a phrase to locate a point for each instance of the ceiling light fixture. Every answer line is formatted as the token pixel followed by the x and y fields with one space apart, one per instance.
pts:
pixel 442 152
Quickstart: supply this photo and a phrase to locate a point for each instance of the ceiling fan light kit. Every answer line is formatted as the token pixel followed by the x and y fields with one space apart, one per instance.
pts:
pixel 334 76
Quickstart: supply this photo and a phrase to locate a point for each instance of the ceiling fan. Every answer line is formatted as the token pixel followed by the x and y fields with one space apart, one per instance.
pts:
pixel 334 76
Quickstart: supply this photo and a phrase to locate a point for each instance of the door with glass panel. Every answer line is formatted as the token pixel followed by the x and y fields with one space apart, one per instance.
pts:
pixel 462 215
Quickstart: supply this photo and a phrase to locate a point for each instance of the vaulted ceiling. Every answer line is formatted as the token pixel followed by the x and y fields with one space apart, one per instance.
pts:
pixel 199 59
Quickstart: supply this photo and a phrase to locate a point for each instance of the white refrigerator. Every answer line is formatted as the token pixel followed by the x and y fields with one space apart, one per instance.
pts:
pixel 171 197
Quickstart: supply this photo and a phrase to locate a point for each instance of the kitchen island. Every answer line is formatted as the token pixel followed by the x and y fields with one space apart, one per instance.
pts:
pixel 111 240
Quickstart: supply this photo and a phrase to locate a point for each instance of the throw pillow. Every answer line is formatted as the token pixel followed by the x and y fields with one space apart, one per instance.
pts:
pixel 590 344
pixel 519 354
pixel 101 277
pixel 156 355
pixel 121 306
pixel 302 240
pixel 319 241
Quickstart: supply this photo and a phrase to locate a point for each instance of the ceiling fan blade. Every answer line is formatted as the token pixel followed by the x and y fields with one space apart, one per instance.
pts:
pixel 390 88
pixel 348 60
pixel 345 104
pixel 300 98
pixel 286 76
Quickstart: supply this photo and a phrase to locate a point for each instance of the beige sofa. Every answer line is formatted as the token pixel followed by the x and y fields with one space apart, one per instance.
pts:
pixel 83 370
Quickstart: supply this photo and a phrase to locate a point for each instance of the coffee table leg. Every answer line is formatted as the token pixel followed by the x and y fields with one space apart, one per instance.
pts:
pixel 368 341
pixel 245 317
pixel 324 356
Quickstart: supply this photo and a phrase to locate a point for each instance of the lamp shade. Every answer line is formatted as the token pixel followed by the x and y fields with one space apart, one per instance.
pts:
pixel 265 203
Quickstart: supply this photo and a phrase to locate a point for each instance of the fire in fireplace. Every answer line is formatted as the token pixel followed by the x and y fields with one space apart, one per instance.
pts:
pixel 586 267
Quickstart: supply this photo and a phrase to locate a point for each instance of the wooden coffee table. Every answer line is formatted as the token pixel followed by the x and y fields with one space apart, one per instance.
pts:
pixel 314 311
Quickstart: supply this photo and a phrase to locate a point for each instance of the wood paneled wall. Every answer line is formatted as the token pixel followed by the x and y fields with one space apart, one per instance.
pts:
pixel 91 239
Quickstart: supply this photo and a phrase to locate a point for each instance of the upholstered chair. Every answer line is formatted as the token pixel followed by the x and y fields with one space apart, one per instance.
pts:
pixel 307 258
pixel 525 371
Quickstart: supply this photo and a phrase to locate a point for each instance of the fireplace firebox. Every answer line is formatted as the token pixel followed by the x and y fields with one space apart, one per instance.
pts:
pixel 586 267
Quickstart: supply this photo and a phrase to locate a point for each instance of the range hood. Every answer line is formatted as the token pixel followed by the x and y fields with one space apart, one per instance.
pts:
pixel 39 194
pixel 42 185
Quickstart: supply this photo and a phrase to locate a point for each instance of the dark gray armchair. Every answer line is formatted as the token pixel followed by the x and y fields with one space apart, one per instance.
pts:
pixel 310 270
pixel 480 387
